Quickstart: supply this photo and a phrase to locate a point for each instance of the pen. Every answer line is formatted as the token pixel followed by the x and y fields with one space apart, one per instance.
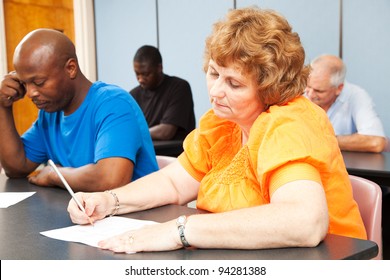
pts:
pixel 68 188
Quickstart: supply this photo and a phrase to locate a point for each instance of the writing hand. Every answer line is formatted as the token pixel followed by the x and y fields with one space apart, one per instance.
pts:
pixel 96 207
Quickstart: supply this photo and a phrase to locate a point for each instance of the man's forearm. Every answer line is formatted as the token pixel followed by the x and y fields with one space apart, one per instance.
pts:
pixel 361 143
pixel 12 154
pixel 112 173
pixel 163 131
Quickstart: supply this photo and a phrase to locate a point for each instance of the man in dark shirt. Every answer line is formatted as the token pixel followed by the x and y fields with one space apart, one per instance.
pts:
pixel 166 101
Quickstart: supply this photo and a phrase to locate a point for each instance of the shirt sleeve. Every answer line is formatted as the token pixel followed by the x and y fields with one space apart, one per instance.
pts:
pixel 292 172
pixel 194 160
pixel 119 132
pixel 180 107
pixel 202 142
pixel 34 145
pixel 366 119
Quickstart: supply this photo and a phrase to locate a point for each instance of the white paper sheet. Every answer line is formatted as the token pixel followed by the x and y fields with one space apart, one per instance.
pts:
pixel 102 229
pixel 10 198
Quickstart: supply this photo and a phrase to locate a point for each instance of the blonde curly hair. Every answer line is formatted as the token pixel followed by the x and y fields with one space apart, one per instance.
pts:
pixel 260 43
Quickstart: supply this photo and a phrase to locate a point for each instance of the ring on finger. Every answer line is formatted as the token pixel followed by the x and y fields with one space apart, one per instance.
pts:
pixel 131 239
pixel 9 97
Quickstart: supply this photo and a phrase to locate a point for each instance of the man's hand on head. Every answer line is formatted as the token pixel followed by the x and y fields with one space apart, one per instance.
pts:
pixel 11 89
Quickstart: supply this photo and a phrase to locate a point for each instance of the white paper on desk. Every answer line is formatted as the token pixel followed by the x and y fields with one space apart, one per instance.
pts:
pixel 102 229
pixel 10 198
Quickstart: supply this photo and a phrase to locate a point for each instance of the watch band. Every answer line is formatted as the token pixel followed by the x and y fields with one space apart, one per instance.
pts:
pixel 181 225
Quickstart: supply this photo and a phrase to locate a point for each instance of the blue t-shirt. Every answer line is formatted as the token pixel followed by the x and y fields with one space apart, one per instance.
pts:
pixel 109 123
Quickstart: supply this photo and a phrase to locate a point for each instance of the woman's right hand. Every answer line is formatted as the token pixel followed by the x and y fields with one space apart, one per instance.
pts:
pixel 97 206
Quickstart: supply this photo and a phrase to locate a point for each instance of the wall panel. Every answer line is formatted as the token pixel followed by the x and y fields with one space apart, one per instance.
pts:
pixel 316 21
pixel 184 26
pixel 366 50
pixel 122 26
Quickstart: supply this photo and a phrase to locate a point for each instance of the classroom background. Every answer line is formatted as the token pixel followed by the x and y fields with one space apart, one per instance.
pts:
pixel 108 33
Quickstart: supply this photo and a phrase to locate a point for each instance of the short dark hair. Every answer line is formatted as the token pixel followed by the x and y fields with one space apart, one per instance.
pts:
pixel 148 54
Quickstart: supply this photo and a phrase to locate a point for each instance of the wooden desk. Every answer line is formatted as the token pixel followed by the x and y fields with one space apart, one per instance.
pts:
pixel 21 223
pixel 168 148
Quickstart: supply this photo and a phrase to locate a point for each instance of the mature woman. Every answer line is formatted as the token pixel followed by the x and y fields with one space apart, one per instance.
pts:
pixel 264 161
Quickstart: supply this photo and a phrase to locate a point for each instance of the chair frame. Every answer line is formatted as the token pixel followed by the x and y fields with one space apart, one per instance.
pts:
pixel 370 207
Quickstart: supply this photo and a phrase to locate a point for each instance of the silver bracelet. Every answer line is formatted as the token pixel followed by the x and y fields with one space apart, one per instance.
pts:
pixel 181 225
pixel 116 203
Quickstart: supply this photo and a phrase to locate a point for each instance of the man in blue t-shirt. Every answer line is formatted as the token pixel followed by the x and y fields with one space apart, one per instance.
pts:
pixel 95 132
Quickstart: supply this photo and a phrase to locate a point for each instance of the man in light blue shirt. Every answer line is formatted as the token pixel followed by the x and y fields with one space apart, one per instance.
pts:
pixel 348 106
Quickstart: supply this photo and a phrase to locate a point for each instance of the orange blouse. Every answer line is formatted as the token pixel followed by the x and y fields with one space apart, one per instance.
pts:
pixel 286 143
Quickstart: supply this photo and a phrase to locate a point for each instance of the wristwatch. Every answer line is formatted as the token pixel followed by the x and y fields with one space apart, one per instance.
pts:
pixel 181 225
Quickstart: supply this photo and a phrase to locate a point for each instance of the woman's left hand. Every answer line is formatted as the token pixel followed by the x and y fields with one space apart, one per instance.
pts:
pixel 157 237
